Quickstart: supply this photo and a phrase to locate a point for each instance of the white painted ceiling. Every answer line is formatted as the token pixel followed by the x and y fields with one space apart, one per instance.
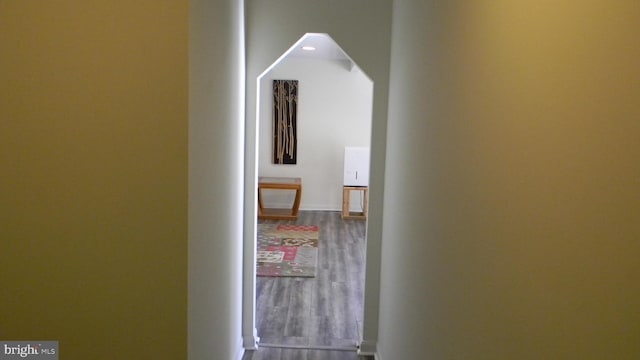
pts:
pixel 326 48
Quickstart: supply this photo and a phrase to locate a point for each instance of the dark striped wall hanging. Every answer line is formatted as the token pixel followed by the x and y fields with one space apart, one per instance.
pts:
pixel 285 109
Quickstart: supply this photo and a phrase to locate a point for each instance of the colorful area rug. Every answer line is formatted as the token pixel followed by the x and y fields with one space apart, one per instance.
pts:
pixel 287 250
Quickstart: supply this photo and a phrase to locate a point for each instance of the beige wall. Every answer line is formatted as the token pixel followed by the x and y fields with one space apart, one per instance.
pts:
pixel 514 155
pixel 93 176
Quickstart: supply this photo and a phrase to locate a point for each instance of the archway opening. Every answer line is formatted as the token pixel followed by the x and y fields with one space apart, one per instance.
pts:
pixel 334 113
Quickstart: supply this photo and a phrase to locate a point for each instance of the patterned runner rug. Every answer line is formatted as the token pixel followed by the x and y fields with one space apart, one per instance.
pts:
pixel 287 250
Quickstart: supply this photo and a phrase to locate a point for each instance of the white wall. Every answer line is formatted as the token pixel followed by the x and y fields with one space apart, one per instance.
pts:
pixel 334 111
pixel 362 28
pixel 518 235
pixel 216 88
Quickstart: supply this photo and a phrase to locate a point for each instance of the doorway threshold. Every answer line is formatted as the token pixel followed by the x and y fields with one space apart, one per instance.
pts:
pixel 353 347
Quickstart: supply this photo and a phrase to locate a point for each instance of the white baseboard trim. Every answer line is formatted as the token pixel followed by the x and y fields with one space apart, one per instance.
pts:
pixel 251 342
pixel 308 207
pixel 367 348
pixel 319 208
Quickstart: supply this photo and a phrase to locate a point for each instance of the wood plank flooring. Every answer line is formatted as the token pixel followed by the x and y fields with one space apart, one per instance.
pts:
pixel 321 312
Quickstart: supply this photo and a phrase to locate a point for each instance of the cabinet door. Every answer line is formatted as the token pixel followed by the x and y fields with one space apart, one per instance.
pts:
pixel 356 166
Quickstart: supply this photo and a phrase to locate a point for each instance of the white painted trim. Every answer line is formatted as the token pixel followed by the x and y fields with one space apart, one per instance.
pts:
pixel 251 342
pixel 308 207
pixel 319 208
pixel 367 348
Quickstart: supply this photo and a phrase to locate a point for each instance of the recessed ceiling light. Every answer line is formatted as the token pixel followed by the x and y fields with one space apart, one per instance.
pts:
pixel 308 48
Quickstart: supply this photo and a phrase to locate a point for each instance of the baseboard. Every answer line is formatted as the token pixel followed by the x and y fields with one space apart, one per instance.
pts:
pixel 367 348
pixel 251 342
pixel 307 207
pixel 319 208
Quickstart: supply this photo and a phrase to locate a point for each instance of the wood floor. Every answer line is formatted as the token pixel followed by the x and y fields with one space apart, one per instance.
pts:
pixel 324 312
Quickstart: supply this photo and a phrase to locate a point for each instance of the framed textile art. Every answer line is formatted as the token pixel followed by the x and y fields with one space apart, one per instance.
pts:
pixel 284 119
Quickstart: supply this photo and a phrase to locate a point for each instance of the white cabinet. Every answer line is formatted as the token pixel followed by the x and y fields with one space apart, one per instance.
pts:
pixel 356 166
